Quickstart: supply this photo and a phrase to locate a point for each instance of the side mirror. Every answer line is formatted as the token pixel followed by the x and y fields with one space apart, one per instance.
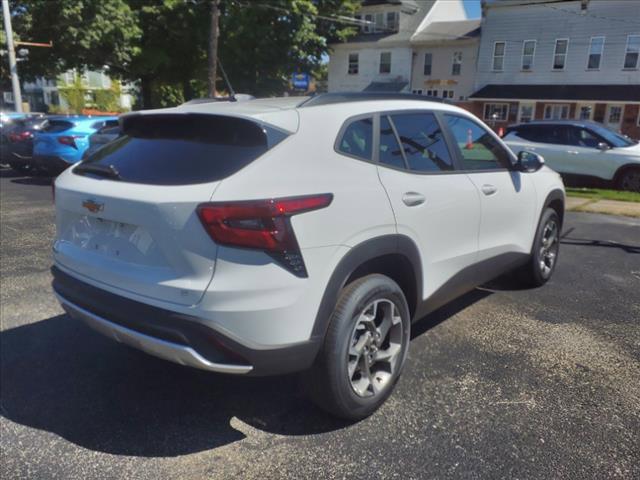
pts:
pixel 529 161
pixel 603 146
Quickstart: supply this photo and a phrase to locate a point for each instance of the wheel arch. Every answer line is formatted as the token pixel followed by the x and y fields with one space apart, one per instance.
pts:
pixel 621 171
pixel 396 256
pixel 555 200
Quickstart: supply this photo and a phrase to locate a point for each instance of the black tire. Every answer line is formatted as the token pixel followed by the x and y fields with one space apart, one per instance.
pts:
pixel 535 273
pixel 629 180
pixel 23 169
pixel 329 382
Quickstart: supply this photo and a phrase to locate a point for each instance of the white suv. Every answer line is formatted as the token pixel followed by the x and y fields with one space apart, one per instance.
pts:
pixel 279 235
pixel 581 151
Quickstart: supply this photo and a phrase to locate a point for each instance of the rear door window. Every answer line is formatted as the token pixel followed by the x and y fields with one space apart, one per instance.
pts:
pixel 423 142
pixel 357 139
pixel 390 151
pixel 184 149
pixel 478 148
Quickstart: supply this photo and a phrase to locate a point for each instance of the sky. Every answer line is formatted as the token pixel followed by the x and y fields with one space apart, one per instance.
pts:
pixel 473 8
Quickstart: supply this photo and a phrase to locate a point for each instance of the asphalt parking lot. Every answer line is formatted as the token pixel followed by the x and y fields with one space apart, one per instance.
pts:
pixel 503 383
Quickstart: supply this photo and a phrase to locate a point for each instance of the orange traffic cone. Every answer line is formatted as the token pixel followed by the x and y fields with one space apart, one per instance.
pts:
pixel 469 144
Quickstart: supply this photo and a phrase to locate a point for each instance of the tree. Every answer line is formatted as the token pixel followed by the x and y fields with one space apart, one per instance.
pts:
pixel 163 43
pixel 262 44
pixel 85 33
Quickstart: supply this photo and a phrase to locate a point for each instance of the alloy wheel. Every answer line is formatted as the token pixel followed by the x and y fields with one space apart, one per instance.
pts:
pixel 631 181
pixel 549 247
pixel 375 347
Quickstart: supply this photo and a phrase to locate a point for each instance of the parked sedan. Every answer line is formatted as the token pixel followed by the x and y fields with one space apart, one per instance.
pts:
pixel 17 141
pixel 64 140
pixel 581 151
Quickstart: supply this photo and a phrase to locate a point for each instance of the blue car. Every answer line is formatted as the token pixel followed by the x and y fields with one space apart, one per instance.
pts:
pixel 63 141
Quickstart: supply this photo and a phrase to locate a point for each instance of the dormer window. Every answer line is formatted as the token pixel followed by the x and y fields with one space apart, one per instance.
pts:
pixel 379 22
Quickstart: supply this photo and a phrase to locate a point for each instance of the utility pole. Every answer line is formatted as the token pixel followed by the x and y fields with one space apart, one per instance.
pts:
pixel 13 66
pixel 213 48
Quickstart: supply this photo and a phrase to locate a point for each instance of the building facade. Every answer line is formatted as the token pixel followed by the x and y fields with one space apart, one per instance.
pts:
pixel 574 59
pixel 396 42
pixel 43 93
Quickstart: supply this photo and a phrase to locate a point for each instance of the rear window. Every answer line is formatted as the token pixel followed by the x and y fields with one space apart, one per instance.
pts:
pixel 184 149
pixel 357 139
pixel 54 126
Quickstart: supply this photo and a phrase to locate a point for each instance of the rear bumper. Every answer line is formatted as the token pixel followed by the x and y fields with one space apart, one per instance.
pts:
pixel 174 336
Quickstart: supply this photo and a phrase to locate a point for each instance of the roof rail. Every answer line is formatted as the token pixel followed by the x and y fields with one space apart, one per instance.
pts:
pixel 345 97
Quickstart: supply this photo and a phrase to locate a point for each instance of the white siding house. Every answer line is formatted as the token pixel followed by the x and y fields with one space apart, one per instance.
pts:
pixel 382 57
pixel 444 56
pixel 569 59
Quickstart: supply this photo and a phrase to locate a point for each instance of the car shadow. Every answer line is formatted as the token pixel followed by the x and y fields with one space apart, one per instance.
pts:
pixel 40 181
pixel 10 173
pixel 585 242
pixel 60 376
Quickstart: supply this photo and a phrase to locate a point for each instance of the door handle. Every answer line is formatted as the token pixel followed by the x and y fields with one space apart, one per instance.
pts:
pixel 413 199
pixel 489 189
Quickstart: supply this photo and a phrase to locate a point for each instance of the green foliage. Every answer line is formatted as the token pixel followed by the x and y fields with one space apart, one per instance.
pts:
pixel 108 99
pixel 73 94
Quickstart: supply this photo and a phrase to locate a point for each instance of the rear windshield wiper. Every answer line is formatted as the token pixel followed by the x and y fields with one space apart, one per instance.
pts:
pixel 108 171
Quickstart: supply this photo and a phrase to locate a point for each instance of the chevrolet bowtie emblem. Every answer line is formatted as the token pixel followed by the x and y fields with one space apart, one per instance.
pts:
pixel 93 206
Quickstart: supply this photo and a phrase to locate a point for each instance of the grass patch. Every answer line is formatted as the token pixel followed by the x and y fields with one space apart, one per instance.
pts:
pixel 603 194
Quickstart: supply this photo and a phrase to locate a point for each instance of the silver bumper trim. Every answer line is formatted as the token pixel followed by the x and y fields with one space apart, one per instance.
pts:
pixel 173 352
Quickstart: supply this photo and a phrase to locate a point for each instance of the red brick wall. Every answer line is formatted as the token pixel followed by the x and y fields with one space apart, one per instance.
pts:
pixel 630 121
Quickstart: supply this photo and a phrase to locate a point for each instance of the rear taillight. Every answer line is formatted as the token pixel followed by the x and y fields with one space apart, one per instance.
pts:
pixel 20 137
pixel 68 140
pixel 263 225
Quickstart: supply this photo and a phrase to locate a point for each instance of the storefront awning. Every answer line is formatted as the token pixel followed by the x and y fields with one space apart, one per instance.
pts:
pixel 386 87
pixel 596 93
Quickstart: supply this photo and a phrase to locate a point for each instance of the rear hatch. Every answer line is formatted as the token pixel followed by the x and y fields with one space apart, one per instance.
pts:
pixel 56 139
pixel 126 216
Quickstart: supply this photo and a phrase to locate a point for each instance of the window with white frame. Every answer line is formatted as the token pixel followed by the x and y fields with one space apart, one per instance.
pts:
pixel 498 56
pixel 385 62
pixel 596 47
pixel 632 52
pixel 368 23
pixel 584 112
pixel 353 64
pixel 432 93
pixel 428 58
pixel 528 52
pixel 556 111
pixel 392 21
pixel 498 112
pixel 560 53
pixel 527 111
pixel 379 23
pixel 448 93
pixel 417 92
pixel 614 115
pixel 456 67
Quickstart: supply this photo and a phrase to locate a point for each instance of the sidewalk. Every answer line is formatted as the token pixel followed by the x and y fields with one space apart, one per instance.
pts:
pixel 611 207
